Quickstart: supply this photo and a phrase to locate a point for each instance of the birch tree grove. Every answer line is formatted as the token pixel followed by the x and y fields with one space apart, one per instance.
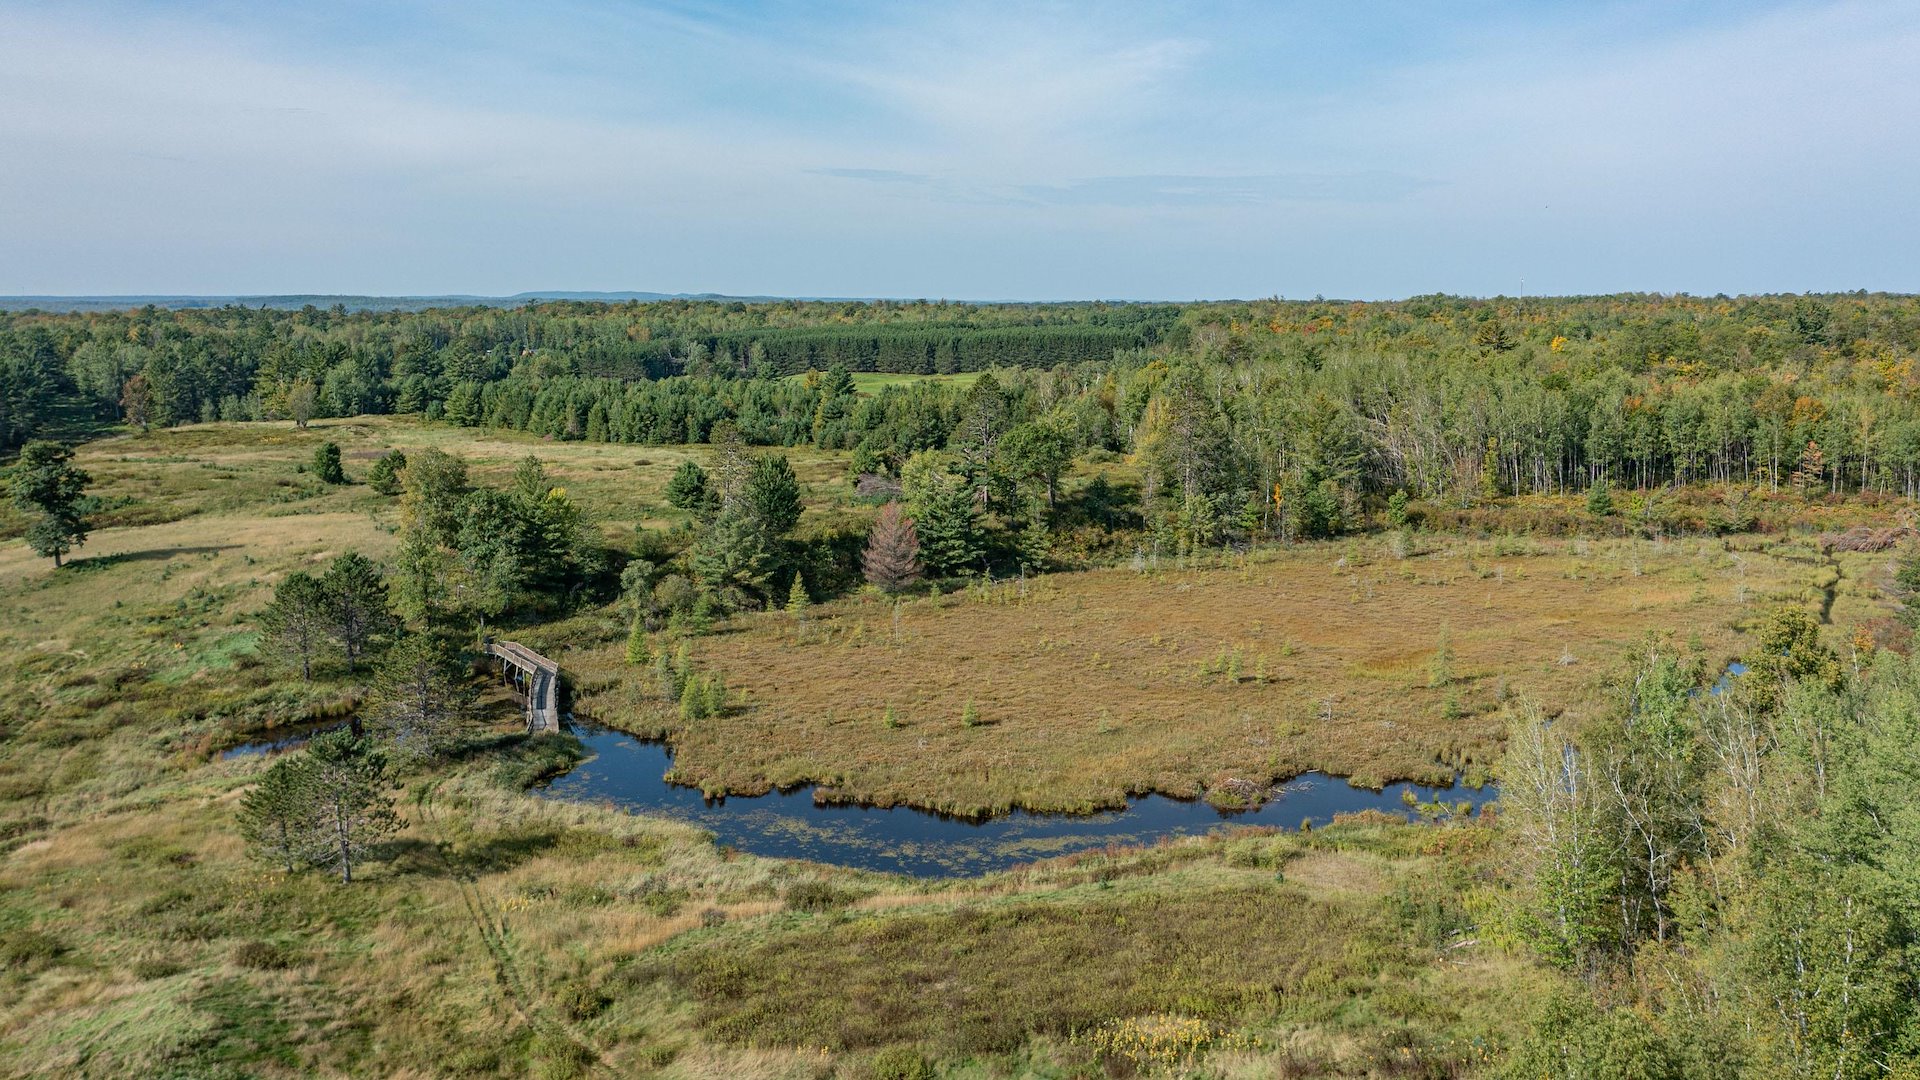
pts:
pixel 1748 847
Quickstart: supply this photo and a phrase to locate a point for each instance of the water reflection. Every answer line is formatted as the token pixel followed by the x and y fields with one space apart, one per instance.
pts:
pixel 630 773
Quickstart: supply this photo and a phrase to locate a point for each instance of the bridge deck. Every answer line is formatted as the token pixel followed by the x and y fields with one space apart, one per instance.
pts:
pixel 542 682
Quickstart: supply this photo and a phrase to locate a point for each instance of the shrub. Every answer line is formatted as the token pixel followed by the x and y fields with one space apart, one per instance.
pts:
pixel 29 949
pixel 326 464
pixel 557 1057
pixel 813 895
pixel 384 476
pixel 260 956
pixel 152 967
pixel 583 1002
pixel 900 1063
pixel 526 762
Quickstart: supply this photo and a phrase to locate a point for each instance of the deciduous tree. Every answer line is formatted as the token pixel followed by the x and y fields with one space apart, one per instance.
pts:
pixel 49 486
pixel 423 695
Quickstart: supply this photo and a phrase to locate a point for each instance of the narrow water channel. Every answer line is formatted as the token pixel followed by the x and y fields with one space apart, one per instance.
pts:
pixel 280 740
pixel 631 773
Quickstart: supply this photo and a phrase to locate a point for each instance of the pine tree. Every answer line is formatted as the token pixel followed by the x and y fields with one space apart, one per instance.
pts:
pixel 771 495
pixel 689 489
pixel 734 556
pixel 353 809
pixel 637 651
pixel 945 518
pixel 326 464
pixel 664 677
pixel 46 483
pixel 713 695
pixel 682 666
pixel 892 558
pixel 385 474
pixel 422 696
pixel 356 598
pixel 983 425
pixel 278 815
pixel 1599 499
pixel 1397 516
pixel 297 620
pixel 797 597
pixel 693 700
pixel 1036 545
pixel 1440 668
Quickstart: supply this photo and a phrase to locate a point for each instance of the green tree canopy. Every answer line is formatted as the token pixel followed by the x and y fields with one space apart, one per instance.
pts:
pixel 47 485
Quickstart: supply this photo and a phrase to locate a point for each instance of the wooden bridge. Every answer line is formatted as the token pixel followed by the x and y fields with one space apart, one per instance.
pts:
pixel 535 677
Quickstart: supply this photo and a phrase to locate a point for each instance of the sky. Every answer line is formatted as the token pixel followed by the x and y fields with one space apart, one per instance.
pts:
pixel 1023 151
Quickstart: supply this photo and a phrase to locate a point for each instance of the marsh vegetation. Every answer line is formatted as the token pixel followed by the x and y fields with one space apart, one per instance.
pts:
pixel 1052 589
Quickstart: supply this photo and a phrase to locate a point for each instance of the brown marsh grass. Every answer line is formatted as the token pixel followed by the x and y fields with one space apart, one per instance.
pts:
pixel 1093 685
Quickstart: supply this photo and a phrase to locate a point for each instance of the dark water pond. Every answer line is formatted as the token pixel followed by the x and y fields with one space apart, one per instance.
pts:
pixel 280 740
pixel 630 773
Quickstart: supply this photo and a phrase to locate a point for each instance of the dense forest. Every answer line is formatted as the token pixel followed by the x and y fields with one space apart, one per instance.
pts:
pixel 1433 395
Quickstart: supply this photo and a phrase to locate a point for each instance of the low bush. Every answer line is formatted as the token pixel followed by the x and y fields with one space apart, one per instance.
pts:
pixel 814 895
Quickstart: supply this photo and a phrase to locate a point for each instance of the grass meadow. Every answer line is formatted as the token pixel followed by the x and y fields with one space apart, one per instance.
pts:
pixel 503 934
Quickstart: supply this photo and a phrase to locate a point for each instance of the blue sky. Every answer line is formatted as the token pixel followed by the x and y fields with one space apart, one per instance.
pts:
pixel 977 151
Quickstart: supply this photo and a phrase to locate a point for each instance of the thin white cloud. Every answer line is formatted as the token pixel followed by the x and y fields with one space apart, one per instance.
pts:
pixel 144 149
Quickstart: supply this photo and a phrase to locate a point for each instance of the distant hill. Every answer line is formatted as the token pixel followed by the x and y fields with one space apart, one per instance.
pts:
pixel 296 301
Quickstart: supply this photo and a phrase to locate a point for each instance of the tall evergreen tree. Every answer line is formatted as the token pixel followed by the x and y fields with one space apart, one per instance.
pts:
pixel 299 619
pixel 944 515
pixel 387 473
pixel 352 804
pixel 689 489
pixel 772 495
pixel 279 814
pixel 984 422
pixel 356 604
pixel 638 651
pixel 423 695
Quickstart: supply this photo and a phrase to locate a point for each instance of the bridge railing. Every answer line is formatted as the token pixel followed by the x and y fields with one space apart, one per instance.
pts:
pixel 542 682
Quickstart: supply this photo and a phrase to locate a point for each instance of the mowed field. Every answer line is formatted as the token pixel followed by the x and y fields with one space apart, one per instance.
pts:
pixel 1089 686
pixel 868 383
